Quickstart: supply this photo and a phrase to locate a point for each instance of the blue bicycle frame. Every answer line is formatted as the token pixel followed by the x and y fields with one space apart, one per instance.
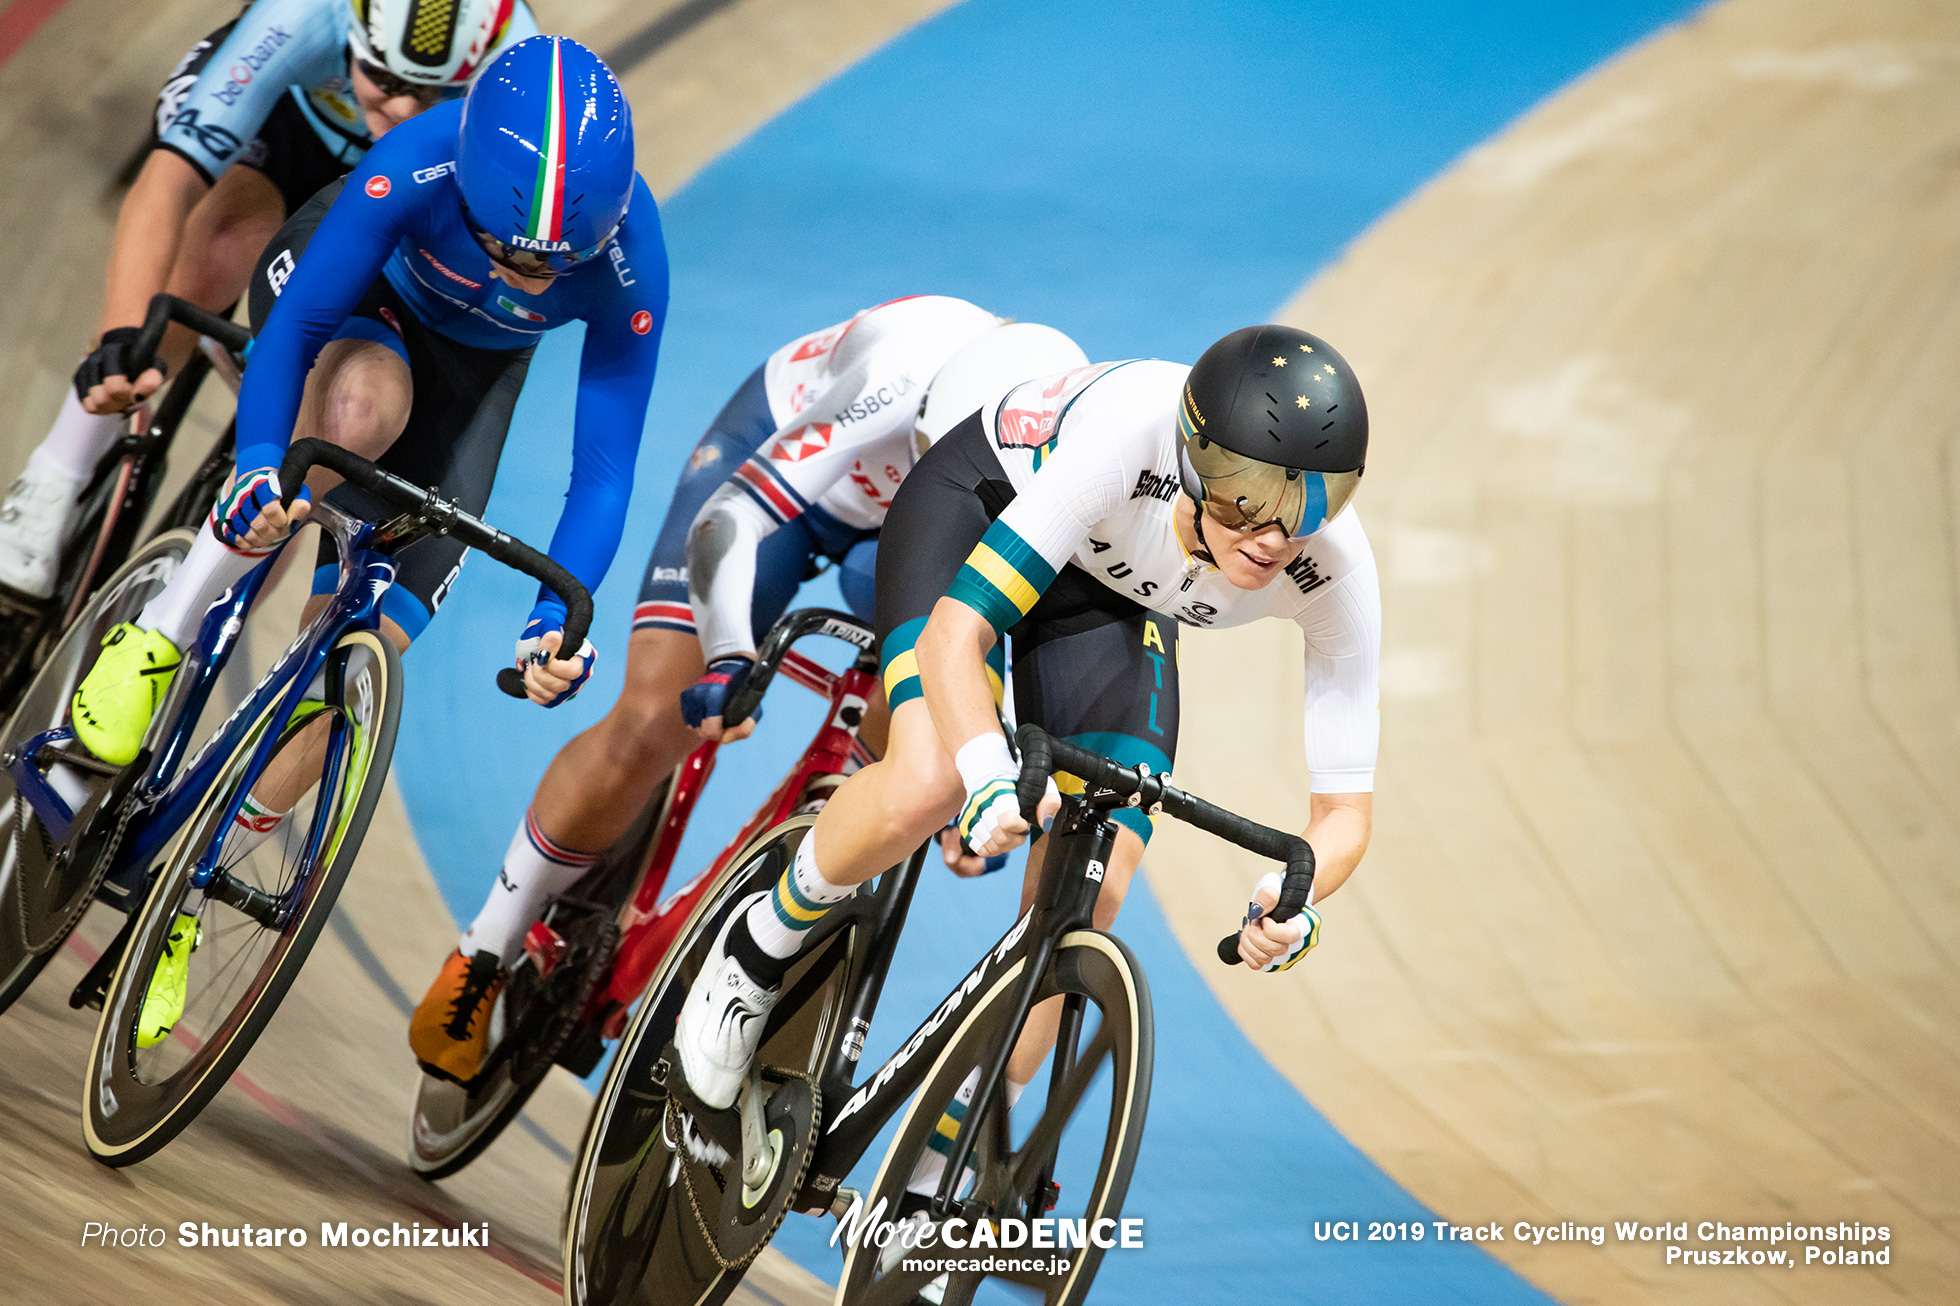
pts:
pixel 171 789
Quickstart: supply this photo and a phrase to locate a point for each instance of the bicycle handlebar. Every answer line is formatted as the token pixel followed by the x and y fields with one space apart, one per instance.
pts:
pixel 165 309
pixel 1042 755
pixel 407 497
pixel 789 628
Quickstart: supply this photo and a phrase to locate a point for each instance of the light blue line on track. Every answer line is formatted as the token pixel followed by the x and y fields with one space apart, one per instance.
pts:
pixel 1147 178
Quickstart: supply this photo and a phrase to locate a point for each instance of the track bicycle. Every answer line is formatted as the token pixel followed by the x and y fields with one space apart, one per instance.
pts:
pixel 650 1224
pixel 600 942
pixel 119 495
pixel 157 836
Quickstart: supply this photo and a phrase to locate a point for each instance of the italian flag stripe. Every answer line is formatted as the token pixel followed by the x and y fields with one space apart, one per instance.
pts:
pixel 548 197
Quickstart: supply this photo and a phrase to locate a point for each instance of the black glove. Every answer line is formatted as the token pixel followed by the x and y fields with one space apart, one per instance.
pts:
pixel 109 358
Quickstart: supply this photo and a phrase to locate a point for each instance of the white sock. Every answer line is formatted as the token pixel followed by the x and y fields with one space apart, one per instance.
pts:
pixel 77 440
pixel 535 870
pixel 925 1175
pixel 251 827
pixel 209 569
pixel 801 897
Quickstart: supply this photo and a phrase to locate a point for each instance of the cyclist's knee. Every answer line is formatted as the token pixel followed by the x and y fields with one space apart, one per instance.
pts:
pixel 642 727
pixel 367 397
pixel 927 797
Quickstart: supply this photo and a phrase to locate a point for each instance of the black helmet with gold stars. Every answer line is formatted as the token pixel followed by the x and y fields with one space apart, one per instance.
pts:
pixel 1272 428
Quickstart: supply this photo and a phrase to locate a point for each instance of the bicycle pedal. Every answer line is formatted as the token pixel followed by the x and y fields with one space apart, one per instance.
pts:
pixel 721 1130
pixel 545 947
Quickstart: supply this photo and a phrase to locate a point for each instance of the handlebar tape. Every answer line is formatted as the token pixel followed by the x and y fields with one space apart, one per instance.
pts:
pixel 405 497
pixel 165 309
pixel 1042 755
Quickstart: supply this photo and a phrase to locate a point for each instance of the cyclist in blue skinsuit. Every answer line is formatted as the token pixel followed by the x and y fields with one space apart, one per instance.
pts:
pixel 424 285
pixel 291 92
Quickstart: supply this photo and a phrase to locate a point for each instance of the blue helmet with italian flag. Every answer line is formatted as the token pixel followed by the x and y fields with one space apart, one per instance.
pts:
pixel 545 161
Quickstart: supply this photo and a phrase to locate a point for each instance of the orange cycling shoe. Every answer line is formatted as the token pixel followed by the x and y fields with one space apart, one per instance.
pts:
pixel 450 1032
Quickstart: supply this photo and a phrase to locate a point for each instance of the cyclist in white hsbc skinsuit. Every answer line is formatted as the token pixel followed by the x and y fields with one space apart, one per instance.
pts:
pixel 1093 514
pixel 292 92
pixel 800 463
pixel 843 465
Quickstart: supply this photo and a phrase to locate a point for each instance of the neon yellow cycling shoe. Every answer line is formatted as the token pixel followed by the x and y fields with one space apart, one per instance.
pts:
pixel 163 1005
pixel 114 704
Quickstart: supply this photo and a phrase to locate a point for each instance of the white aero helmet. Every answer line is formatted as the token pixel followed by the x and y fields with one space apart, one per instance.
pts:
pixel 430 42
pixel 919 333
pixel 987 369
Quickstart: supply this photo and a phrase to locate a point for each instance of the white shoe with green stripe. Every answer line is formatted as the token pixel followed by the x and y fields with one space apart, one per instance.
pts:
pixel 721 1024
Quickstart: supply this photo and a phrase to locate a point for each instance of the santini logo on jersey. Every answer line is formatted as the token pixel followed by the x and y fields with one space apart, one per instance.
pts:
pixel 1305 574
pixel 1153 485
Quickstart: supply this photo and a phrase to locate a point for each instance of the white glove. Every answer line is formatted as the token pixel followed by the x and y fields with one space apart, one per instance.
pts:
pixel 990 820
pixel 1299 934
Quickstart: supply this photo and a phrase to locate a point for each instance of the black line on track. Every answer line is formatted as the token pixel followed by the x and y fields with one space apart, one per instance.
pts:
pixel 663 31
pixel 350 938
pixel 357 947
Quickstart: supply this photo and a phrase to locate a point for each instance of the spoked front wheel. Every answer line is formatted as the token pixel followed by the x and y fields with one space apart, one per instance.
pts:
pixel 205 970
pixel 1082 1140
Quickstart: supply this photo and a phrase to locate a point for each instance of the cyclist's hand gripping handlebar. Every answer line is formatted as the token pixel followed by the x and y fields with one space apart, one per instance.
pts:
pixel 406 497
pixel 789 628
pixel 165 309
pixel 1042 755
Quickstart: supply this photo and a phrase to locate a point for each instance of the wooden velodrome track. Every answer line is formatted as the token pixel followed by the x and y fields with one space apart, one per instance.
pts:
pixel 316 1129
pixel 1662 916
pixel 1659 919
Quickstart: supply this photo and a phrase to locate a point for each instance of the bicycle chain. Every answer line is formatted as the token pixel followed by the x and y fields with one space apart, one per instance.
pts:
pixel 687 1177
pixel 20 855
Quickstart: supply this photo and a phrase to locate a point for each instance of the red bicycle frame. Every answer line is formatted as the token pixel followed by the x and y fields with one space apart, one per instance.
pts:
pixel 649 924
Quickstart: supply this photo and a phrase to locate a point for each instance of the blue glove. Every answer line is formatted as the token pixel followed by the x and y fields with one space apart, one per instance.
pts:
pixel 251 493
pixel 709 695
pixel 531 650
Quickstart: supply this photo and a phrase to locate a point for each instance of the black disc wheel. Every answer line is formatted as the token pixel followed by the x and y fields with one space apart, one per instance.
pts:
pixel 250 929
pixel 45 888
pixel 1064 1154
pixel 648 1224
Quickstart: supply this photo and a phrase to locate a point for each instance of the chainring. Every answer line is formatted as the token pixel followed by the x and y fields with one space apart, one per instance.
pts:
pixel 742 1228
pixel 93 843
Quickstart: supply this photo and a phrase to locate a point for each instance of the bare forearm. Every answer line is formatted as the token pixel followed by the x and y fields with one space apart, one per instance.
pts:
pixel 952 652
pixel 148 231
pixel 1338 833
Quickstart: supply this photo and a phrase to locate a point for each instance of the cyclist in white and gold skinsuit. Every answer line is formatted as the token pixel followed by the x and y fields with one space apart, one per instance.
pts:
pixel 1091 514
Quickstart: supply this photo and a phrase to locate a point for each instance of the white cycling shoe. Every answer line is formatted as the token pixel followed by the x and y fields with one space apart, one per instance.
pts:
pixel 721 1023
pixel 33 520
pixel 893 1253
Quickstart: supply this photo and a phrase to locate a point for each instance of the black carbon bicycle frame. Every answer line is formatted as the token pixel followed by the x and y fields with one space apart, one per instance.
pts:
pixel 1071 877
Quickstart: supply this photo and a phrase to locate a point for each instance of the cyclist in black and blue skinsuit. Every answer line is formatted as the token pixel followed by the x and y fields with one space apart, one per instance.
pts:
pixel 398 314
pixel 253 121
